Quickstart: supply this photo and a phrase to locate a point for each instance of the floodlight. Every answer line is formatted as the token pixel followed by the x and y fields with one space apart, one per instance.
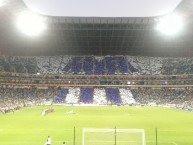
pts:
pixel 170 25
pixel 30 23
pixel 2 3
pixel 128 82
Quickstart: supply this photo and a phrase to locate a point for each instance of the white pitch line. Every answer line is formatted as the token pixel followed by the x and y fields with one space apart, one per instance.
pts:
pixel 174 143
pixel 187 131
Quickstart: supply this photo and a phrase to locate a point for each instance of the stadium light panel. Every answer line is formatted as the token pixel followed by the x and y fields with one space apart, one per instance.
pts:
pixel 30 24
pixel 170 25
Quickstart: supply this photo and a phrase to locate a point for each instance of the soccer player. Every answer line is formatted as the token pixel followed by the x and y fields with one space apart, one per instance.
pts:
pixel 48 142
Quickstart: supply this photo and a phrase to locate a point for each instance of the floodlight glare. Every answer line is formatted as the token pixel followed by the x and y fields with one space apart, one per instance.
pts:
pixel 30 23
pixel 2 3
pixel 170 25
pixel 128 82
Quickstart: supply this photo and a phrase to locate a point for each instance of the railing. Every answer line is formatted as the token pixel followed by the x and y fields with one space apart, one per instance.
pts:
pixel 21 79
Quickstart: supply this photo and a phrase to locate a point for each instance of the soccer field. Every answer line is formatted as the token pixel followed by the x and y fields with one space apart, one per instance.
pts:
pixel 28 127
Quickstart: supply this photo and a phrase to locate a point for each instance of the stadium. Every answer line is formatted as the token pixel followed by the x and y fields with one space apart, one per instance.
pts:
pixel 96 72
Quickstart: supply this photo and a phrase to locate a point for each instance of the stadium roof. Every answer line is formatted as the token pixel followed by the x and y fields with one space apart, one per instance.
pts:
pixel 102 8
pixel 95 35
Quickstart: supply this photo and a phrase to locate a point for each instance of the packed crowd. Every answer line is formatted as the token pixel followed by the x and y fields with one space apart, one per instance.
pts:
pixel 89 65
pixel 14 98
pixel 162 96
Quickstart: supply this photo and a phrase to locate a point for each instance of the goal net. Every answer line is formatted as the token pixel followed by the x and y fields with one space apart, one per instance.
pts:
pixel 93 136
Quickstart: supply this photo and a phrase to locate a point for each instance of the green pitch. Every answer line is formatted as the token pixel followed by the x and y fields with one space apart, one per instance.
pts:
pixel 28 127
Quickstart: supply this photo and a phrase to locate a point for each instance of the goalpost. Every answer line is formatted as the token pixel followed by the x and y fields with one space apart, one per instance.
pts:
pixel 102 136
